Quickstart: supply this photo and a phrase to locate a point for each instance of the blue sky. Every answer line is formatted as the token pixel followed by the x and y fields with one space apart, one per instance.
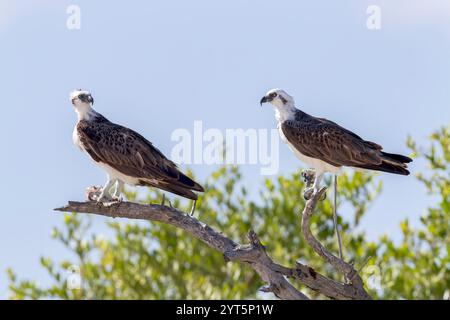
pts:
pixel 158 66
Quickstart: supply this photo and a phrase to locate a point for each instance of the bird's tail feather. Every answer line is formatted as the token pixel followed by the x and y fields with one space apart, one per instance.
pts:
pixel 189 183
pixel 186 193
pixel 171 187
pixel 390 162
pixel 399 168
pixel 396 157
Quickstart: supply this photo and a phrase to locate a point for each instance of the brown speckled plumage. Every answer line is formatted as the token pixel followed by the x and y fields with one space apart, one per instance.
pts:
pixel 131 154
pixel 325 140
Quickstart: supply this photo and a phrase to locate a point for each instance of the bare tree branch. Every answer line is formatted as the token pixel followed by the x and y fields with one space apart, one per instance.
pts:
pixel 340 265
pixel 254 254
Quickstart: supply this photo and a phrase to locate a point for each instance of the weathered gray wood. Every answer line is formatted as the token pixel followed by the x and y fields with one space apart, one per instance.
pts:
pixel 253 254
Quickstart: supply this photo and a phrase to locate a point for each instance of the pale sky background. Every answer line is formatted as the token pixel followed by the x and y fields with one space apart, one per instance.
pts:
pixel 158 66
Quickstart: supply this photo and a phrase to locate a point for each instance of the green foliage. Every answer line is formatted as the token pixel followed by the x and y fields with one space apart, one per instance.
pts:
pixel 418 267
pixel 143 260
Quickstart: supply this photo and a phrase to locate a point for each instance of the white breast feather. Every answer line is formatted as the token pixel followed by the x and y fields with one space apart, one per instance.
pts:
pixel 76 139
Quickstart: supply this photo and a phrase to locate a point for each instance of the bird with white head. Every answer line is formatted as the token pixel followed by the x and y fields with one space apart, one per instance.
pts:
pixel 125 155
pixel 324 145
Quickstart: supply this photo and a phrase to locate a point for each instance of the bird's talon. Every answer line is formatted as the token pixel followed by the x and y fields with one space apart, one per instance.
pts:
pixel 99 203
pixel 308 176
pixel 308 193
pixel 109 203
pixel 118 199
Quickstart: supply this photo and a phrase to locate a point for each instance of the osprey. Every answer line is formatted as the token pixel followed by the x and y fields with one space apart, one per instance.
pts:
pixel 324 145
pixel 125 155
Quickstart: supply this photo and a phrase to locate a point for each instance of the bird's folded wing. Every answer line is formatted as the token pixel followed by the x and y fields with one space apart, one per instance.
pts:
pixel 327 141
pixel 126 151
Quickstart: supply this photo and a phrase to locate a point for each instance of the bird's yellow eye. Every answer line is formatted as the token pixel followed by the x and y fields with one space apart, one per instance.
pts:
pixel 273 95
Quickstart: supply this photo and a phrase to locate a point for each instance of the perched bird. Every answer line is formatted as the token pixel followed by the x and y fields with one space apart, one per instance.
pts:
pixel 125 155
pixel 325 146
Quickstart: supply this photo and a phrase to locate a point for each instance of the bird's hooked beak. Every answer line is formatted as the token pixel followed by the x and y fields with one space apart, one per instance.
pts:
pixel 264 100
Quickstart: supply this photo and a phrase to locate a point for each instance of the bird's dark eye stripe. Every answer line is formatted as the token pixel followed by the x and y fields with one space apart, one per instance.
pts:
pixel 273 94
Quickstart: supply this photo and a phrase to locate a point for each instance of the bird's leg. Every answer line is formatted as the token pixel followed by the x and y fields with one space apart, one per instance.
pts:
pixel 316 185
pixel 317 181
pixel 193 207
pixel 119 191
pixel 308 193
pixel 105 197
pixel 106 194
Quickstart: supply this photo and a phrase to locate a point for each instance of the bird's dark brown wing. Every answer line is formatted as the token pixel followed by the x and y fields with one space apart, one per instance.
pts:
pixel 131 154
pixel 329 142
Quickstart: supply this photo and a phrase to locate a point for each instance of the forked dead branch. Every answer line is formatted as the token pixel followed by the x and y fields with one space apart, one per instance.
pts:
pixel 254 254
